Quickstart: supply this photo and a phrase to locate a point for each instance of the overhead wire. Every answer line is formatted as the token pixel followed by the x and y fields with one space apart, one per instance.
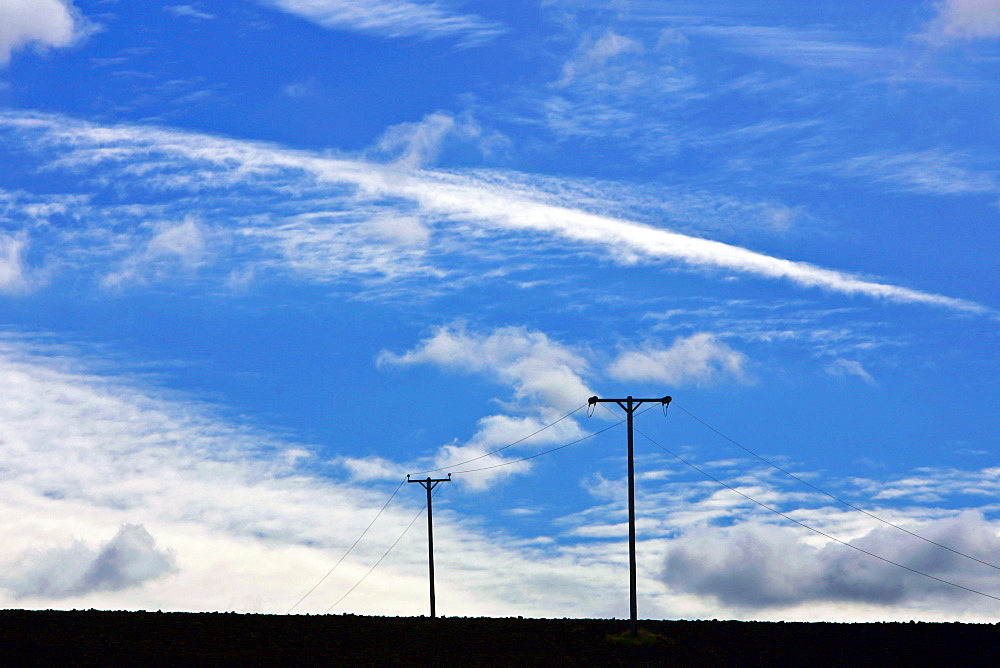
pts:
pixel 509 445
pixel 546 452
pixel 814 530
pixel 350 549
pixel 686 463
pixel 380 559
pixel 395 491
pixel 836 498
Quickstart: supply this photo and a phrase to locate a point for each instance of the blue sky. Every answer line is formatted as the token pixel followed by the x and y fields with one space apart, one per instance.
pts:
pixel 260 259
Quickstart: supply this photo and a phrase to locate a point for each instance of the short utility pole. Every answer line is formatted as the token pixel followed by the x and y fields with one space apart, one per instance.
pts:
pixel 429 484
pixel 629 405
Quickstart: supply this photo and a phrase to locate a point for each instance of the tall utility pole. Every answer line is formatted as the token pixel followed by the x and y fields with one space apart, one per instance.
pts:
pixel 629 405
pixel 429 484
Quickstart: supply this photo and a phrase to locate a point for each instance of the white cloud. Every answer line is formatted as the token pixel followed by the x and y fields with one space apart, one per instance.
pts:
pixel 613 87
pixel 14 276
pixel 846 367
pixel 418 144
pixel 173 245
pixel 538 368
pixel 406 231
pixel 128 560
pixel 391 18
pixel 539 371
pixel 477 464
pixel 963 20
pixel 934 172
pixel 43 23
pixel 593 55
pixel 333 245
pixel 700 358
pixel 370 468
pixel 300 89
pixel 189 11
pixel 820 48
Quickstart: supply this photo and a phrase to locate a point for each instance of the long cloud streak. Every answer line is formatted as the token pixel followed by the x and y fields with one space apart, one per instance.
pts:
pixel 451 196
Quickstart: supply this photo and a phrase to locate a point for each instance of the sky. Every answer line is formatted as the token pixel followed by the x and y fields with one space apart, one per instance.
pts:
pixel 261 259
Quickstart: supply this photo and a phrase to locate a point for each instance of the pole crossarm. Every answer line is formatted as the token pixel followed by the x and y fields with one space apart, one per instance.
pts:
pixel 634 402
pixel 629 404
pixel 429 484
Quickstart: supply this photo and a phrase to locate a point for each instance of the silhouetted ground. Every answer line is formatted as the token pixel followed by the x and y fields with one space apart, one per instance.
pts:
pixel 143 638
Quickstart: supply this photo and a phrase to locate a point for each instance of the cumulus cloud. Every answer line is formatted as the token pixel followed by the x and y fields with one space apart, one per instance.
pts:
pixel 391 18
pixel 545 376
pixel 42 23
pixel 370 468
pixel 963 20
pixel 538 368
pixel 700 358
pixel 754 565
pixel 128 560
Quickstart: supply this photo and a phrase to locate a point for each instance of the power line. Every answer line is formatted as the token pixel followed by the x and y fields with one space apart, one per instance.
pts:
pixel 835 498
pixel 435 491
pixel 546 452
pixel 375 565
pixel 565 445
pixel 817 531
pixel 501 449
pixel 322 579
pixel 395 491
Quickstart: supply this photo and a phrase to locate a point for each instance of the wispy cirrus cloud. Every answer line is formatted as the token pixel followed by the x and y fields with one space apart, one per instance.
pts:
pixel 392 18
pixel 182 244
pixel 846 368
pixel 15 277
pixel 418 144
pixel 459 202
pixel 189 11
pixel 934 171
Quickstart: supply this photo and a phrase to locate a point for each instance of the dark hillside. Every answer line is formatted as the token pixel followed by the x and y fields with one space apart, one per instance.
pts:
pixel 131 638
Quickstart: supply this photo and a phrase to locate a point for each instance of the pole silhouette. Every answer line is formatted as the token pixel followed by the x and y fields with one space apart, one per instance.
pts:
pixel 629 405
pixel 429 484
